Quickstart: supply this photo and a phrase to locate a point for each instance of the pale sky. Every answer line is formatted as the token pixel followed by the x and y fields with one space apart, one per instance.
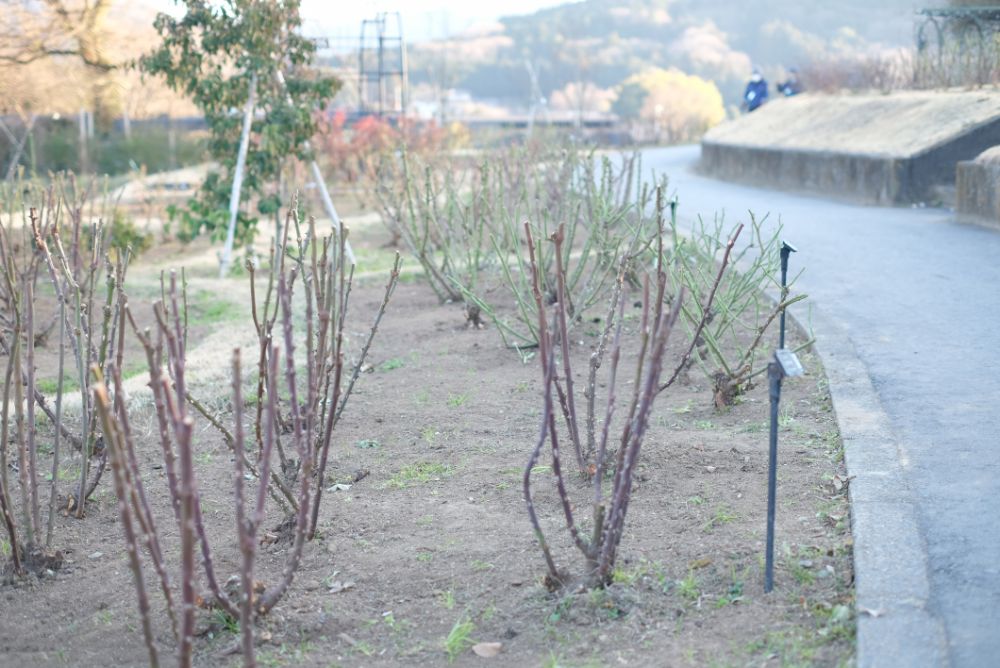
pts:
pixel 422 19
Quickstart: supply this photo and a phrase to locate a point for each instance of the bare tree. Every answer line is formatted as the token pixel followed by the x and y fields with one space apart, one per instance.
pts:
pixel 32 31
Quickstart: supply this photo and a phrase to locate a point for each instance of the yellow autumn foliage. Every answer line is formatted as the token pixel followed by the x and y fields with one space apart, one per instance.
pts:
pixel 680 106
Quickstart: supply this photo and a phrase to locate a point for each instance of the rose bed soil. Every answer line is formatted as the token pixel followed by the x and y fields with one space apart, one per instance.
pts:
pixel 426 527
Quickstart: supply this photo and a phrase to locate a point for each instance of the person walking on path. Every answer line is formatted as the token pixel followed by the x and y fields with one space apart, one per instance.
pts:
pixel 793 86
pixel 756 92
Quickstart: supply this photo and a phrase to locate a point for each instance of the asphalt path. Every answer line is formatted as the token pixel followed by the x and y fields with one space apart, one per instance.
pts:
pixel 916 297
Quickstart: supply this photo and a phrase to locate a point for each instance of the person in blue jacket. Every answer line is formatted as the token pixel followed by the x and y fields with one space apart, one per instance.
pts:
pixel 793 86
pixel 756 92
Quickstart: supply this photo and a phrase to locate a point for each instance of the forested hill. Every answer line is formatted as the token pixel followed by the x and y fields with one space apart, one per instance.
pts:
pixel 605 41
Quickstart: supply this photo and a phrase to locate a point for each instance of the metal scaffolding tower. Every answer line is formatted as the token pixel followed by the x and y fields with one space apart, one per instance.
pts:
pixel 383 80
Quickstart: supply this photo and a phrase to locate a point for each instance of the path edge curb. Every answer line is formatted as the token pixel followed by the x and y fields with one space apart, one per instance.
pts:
pixel 895 626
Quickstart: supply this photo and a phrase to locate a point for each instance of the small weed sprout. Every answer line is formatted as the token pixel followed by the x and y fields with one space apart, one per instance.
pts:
pixel 457 400
pixel 459 638
pixel 688 588
pixel 447 599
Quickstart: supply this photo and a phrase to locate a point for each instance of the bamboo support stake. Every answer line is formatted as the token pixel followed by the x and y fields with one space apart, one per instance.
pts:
pixel 234 197
pixel 317 175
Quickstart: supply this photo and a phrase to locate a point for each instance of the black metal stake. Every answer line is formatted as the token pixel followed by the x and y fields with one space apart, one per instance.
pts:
pixel 774 382
pixel 786 250
pixel 783 364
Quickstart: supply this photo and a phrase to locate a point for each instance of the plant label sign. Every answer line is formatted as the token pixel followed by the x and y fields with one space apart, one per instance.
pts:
pixel 789 361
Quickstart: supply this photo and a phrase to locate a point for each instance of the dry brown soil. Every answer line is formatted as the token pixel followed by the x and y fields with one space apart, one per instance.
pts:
pixel 435 532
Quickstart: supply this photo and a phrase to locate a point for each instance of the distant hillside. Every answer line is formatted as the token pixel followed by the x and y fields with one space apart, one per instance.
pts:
pixel 604 41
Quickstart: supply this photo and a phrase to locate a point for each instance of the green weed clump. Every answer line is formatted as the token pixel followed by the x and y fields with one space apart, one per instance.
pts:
pixel 459 638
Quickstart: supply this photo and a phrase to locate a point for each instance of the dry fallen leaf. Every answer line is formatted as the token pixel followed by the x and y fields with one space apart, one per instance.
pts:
pixel 487 650
pixel 840 482
pixel 338 586
pixel 701 563
pixel 234 648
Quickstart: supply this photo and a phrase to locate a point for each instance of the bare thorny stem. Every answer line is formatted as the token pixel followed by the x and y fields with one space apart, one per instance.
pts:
pixel 22 449
pixel 12 363
pixel 115 443
pixel 563 329
pixel 57 420
pixel 546 353
pixel 186 501
pixel 655 329
pixel 706 309
pixel 36 523
pixel 74 283
pixel 137 495
pixel 526 481
pixel 326 287
pixel 278 488
pixel 389 289
pixel 245 529
pixel 597 358
pixel 172 330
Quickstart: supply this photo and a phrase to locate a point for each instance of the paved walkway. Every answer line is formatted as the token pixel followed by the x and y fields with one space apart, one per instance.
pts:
pixel 907 317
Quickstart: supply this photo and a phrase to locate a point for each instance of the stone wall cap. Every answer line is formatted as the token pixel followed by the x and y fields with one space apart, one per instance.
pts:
pixel 901 124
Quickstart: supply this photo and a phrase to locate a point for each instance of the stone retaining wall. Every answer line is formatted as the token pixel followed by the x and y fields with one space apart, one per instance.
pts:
pixel 887 150
pixel 977 187
pixel 869 179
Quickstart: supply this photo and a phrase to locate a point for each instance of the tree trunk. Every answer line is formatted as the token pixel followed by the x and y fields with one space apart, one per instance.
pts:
pixel 105 97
